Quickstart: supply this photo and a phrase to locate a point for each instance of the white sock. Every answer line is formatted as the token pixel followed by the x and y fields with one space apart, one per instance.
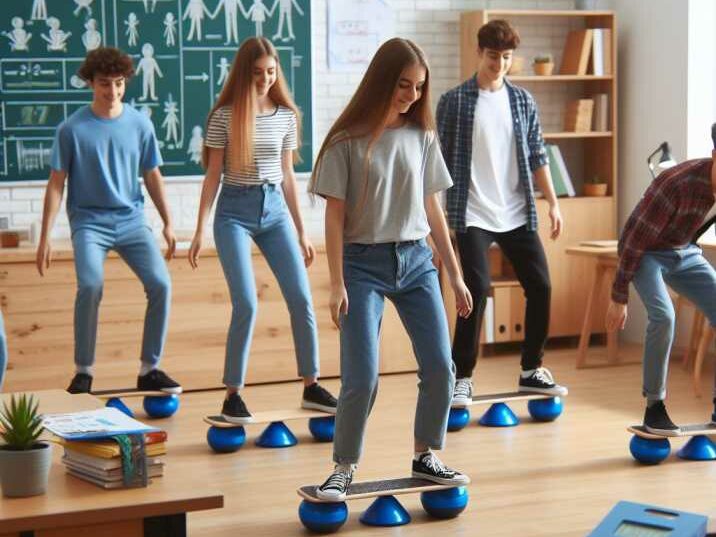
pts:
pixel 347 468
pixel 527 373
pixel 146 368
pixel 86 369
pixel 419 454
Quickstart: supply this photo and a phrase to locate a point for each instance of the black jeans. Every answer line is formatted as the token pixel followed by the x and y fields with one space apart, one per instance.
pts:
pixel 524 250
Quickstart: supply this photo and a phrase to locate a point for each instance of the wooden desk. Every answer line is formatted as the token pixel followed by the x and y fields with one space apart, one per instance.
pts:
pixel 606 260
pixel 72 507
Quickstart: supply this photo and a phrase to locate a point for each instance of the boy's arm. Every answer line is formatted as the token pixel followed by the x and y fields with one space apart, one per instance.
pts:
pixel 155 187
pixel 53 199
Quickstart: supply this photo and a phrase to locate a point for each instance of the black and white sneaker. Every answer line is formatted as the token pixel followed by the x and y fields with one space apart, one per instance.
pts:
pixel 234 410
pixel 158 381
pixel 335 487
pixel 316 397
pixel 428 466
pixel 657 421
pixel 80 383
pixel 462 394
pixel 541 381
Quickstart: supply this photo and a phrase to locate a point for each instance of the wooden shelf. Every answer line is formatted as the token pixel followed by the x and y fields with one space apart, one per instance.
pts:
pixel 558 78
pixel 576 135
pixel 546 13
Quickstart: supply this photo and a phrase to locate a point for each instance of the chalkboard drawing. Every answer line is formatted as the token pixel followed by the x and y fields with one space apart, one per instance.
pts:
pixel 171 121
pixel 39 10
pixel 146 5
pixel 195 11
pixel 196 144
pixel 224 67
pixel 31 158
pixel 231 18
pixel 91 39
pixel 258 13
pixel 33 115
pixel 83 4
pixel 57 39
pixel 149 67
pixel 285 8
pixel 77 82
pixel 132 32
pixel 170 29
pixel 18 36
pixel 146 110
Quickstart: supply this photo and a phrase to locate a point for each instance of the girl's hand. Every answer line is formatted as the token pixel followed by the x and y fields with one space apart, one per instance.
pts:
pixel 194 250
pixel 307 249
pixel 463 298
pixel 338 303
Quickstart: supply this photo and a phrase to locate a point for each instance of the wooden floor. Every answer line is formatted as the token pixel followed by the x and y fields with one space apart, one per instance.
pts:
pixel 537 479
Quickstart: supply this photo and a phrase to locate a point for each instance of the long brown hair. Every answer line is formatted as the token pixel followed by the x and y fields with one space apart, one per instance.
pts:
pixel 367 111
pixel 239 93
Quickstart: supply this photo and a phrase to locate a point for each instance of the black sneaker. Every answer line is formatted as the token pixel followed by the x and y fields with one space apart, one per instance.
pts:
pixel 429 467
pixel 335 487
pixel 657 421
pixel 234 410
pixel 81 383
pixel 462 394
pixel 158 381
pixel 541 381
pixel 316 397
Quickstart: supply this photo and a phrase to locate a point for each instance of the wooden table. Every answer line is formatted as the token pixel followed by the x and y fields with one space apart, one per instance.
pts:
pixel 605 269
pixel 72 507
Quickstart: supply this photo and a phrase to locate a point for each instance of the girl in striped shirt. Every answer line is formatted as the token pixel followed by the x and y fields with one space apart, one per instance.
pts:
pixel 252 140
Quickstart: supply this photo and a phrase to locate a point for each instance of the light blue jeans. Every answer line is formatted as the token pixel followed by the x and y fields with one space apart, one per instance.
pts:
pixel 404 273
pixel 135 243
pixel 259 212
pixel 688 273
pixel 3 351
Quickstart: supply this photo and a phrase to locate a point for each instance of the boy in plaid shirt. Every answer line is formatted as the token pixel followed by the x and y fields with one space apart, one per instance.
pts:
pixel 658 248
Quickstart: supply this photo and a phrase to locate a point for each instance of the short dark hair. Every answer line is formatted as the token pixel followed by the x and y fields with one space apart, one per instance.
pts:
pixel 498 34
pixel 106 61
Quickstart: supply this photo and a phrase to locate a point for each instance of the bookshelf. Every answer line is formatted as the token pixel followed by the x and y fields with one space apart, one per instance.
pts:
pixel 585 153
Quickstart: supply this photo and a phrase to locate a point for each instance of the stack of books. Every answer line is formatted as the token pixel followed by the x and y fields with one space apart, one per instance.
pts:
pixel 587 51
pixel 100 462
pixel 92 441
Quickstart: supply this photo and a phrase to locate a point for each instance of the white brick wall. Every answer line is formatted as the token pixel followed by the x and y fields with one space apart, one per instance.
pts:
pixel 431 24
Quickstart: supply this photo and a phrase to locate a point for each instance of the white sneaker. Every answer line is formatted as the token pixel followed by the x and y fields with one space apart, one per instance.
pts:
pixel 335 487
pixel 462 394
pixel 541 381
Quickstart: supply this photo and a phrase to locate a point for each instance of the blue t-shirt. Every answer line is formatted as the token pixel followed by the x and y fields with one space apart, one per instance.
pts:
pixel 103 159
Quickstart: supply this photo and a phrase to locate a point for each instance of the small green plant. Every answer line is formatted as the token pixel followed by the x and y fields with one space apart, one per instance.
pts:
pixel 595 180
pixel 543 58
pixel 21 423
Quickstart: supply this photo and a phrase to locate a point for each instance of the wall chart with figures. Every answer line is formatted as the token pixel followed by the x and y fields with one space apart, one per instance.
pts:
pixel 182 52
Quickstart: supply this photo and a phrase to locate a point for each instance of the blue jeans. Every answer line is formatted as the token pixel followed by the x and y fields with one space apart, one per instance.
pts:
pixel 259 213
pixel 134 242
pixel 404 273
pixel 3 351
pixel 688 273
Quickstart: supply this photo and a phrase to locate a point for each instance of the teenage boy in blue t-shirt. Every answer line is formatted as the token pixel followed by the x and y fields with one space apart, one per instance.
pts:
pixel 100 151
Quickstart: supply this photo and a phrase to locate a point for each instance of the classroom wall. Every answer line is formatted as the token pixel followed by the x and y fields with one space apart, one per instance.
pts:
pixel 433 25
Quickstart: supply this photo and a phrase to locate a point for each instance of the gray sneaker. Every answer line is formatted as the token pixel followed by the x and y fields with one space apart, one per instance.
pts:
pixel 462 394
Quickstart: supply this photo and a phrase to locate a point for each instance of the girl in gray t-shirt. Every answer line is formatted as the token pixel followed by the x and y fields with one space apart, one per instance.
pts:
pixel 381 172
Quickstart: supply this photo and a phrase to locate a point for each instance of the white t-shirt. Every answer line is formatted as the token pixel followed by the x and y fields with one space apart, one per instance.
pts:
pixel 496 199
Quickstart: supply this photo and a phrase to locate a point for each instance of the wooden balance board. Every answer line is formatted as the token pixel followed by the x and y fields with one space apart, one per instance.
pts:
pixel 383 487
pixel 269 417
pixel 684 430
pixel 489 399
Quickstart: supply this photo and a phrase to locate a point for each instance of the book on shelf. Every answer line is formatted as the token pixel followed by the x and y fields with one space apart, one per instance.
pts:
pixel 601 59
pixel 600 115
pixel 575 58
pixel 578 115
pixel 561 179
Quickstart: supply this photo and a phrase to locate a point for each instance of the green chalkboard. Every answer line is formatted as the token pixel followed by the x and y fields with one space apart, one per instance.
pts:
pixel 184 48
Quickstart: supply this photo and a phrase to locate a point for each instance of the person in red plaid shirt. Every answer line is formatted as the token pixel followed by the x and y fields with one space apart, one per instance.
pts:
pixel 658 248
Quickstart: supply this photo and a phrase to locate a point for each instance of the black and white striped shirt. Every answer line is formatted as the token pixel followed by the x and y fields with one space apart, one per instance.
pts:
pixel 273 134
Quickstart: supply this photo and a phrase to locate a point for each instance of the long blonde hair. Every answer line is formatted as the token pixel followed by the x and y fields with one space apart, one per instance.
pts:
pixel 367 111
pixel 239 93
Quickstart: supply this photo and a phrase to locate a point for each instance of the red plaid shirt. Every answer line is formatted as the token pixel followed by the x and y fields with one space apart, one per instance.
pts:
pixel 668 216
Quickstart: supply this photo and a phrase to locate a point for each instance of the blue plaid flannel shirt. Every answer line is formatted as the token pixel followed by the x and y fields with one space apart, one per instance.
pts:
pixel 455 116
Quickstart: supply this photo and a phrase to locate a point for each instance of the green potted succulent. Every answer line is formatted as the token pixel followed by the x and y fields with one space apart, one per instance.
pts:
pixel 543 64
pixel 595 187
pixel 24 459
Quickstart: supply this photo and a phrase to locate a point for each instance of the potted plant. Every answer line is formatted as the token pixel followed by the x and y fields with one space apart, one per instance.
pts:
pixel 543 65
pixel 24 460
pixel 595 187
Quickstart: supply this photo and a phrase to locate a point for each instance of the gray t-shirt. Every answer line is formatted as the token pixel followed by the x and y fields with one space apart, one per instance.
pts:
pixel 405 166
